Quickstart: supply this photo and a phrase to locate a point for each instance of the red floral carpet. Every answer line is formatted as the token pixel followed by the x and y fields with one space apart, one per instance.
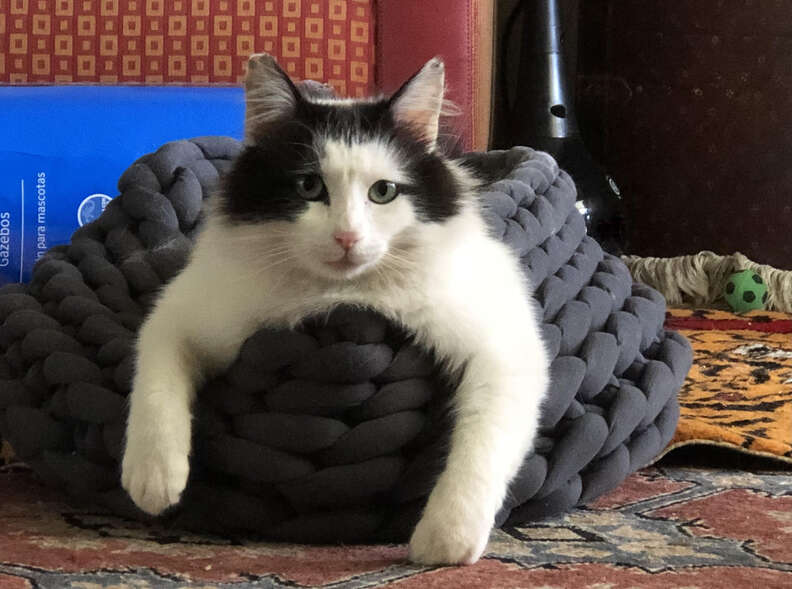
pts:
pixel 665 527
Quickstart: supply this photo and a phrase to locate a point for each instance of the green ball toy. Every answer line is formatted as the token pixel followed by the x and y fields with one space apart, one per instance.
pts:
pixel 745 291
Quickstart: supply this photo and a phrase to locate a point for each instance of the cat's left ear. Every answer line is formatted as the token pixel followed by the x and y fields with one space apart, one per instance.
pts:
pixel 269 95
pixel 418 103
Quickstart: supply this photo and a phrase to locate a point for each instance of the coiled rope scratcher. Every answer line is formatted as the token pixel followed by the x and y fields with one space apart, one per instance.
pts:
pixel 700 279
pixel 336 431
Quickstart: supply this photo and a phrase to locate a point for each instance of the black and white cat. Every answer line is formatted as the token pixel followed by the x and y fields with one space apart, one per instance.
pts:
pixel 349 201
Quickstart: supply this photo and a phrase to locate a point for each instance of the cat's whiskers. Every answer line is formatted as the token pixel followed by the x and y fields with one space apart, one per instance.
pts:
pixel 407 251
pixel 260 242
pixel 261 271
pixel 395 267
pixel 379 271
pixel 258 230
pixel 271 256
pixel 255 252
pixel 401 261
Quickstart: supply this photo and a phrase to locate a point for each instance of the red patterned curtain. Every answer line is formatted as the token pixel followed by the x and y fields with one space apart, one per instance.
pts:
pixel 191 42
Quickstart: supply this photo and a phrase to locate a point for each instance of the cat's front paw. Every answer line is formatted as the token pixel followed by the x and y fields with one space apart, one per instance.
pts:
pixel 447 537
pixel 154 474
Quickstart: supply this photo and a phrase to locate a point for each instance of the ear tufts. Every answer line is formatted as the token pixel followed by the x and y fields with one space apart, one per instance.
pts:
pixel 269 94
pixel 419 102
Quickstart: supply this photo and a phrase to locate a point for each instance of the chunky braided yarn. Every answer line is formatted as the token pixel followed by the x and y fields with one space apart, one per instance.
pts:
pixel 334 432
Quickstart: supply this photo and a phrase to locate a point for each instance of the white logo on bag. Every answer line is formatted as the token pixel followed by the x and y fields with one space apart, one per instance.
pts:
pixel 91 207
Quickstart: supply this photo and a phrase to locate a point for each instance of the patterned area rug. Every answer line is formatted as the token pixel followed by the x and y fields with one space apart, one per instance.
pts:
pixel 739 391
pixel 665 527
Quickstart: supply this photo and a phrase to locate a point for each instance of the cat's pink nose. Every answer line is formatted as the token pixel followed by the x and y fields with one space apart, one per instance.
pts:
pixel 346 239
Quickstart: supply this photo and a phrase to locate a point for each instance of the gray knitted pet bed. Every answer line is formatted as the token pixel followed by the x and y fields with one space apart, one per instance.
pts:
pixel 334 432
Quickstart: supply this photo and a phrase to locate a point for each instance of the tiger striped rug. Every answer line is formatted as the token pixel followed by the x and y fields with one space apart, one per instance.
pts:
pixel 739 391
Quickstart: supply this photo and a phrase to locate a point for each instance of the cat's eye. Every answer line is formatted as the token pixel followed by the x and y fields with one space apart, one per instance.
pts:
pixel 310 186
pixel 383 191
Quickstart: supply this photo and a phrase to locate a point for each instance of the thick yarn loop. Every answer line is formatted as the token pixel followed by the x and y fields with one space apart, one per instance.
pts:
pixel 334 432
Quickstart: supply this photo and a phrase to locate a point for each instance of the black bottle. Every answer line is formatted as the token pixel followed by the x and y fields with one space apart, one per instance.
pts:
pixel 542 114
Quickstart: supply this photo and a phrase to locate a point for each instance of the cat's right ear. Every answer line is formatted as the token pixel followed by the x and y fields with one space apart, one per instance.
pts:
pixel 269 95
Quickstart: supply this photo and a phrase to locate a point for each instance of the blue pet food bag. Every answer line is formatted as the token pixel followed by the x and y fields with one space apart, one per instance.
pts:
pixel 63 148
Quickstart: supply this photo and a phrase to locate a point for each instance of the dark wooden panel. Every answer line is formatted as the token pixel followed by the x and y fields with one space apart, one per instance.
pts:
pixel 689 104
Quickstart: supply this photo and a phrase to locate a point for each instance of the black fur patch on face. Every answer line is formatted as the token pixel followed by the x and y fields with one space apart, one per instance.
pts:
pixel 261 184
pixel 434 192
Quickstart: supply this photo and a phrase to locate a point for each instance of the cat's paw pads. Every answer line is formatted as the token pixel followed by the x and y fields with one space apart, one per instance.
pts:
pixel 154 479
pixel 441 539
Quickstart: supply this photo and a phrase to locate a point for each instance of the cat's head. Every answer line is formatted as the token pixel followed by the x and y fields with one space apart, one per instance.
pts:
pixel 340 185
